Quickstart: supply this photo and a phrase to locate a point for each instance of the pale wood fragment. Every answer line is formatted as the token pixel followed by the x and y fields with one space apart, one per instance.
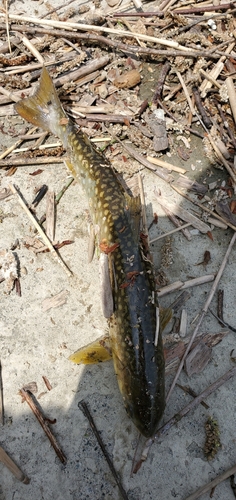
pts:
pixel 50 215
pixel 165 164
pixel 197 359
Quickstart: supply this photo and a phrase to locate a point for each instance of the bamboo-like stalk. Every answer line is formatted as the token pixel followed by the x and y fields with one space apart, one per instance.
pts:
pixel 31 48
pixel 103 29
pixel 182 285
pixel 165 164
pixel 8 462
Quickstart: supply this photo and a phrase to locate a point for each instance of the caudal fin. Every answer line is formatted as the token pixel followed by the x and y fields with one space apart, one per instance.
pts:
pixel 43 109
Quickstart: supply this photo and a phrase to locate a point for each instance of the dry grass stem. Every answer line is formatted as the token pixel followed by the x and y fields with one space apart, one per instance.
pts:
pixel 212 484
pixel 182 213
pixel 214 73
pixel 204 208
pixel 103 29
pixel 204 311
pixel 24 162
pixel 183 285
pixel 32 49
pixel 179 228
pixel 164 164
pixel 14 146
pixel 47 242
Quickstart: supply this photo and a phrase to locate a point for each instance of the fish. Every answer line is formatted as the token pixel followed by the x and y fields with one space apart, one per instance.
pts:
pixel 130 302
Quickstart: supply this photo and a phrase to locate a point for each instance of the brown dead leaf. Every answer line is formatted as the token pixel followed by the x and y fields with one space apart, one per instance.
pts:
pixel 128 79
pixel 233 206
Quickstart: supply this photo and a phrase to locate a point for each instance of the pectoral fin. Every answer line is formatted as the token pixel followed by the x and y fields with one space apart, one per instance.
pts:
pixel 96 352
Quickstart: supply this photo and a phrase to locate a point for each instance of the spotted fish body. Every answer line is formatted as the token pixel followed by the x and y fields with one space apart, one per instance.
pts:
pixel 137 354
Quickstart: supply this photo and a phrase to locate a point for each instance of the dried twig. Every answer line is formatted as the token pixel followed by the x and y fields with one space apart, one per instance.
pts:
pixel 84 407
pixel 220 300
pixel 95 28
pixel 214 73
pixel 32 49
pixel 182 413
pixel 165 164
pixel 27 396
pixel 8 462
pixel 193 404
pixel 182 213
pixel 183 285
pixel 47 242
pixel 14 146
pixel 212 484
pixel 204 208
pixel 161 81
pixel 204 311
pixel 113 43
pixel 160 172
pixel 179 228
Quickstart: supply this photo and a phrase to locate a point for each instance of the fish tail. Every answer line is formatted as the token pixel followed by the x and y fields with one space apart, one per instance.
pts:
pixel 43 109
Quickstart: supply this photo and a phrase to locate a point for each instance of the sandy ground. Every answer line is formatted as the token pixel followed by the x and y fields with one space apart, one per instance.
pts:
pixel 35 342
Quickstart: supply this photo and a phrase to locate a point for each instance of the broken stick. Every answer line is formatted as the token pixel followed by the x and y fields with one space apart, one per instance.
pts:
pixel 204 311
pixel 83 406
pixel 8 462
pixel 212 484
pixel 27 396
pixel 40 231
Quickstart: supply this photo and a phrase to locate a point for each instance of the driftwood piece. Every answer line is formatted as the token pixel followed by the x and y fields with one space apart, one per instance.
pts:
pixel 8 462
pixel 197 359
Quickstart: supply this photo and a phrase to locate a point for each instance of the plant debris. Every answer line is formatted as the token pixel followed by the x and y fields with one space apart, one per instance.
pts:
pixel 212 443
